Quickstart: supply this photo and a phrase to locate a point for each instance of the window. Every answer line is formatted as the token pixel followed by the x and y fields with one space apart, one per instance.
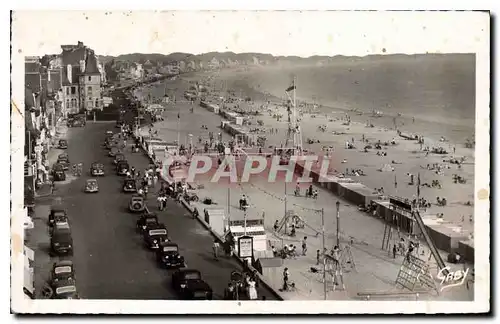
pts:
pixel 67 102
pixel 89 91
pixel 90 78
pixel 73 103
pixel 89 104
pixel 73 90
pixel 67 90
pixel 97 103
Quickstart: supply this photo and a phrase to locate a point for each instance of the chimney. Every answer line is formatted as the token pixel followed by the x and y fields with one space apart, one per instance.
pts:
pixel 69 72
pixel 82 66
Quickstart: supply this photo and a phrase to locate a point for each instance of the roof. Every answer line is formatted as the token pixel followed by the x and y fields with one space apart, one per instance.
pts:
pixel 72 56
pixel 33 81
pixel 31 67
pixel 91 64
pixel 270 262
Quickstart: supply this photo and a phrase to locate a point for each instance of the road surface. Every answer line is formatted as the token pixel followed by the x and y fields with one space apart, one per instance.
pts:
pixel 110 259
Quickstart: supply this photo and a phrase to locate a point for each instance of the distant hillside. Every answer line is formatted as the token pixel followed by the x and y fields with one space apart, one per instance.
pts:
pixel 231 58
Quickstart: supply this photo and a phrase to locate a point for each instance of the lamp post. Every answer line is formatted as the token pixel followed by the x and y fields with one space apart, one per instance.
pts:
pixel 338 223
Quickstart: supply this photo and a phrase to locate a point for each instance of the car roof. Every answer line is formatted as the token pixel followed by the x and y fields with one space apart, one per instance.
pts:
pixel 63 263
pixel 91 180
pixel 168 243
pixel 130 180
pixel 63 140
pixel 155 226
pixel 62 226
pixel 64 283
pixel 63 154
pixel 57 208
pixel 189 271
pixel 137 196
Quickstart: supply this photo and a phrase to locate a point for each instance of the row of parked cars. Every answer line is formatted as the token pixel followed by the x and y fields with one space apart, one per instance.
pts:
pixel 188 283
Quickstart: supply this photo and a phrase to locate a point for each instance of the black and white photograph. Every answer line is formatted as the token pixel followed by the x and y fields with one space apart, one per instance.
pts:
pixel 250 162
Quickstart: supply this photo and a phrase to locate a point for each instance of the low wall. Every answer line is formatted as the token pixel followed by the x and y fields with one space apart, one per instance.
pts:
pixel 466 248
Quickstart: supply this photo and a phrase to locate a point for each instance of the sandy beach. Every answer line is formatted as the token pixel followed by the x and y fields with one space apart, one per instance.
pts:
pixel 407 154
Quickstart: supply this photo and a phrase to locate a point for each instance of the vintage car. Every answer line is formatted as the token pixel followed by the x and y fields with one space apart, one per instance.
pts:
pixel 77 121
pixel 145 220
pixel 57 215
pixel 137 204
pixel 62 270
pixel 96 169
pixel 189 285
pixel 61 241
pixel 119 157
pixel 122 168
pixel 58 172
pixel 63 144
pixel 91 186
pixel 154 235
pixel 109 133
pixel 129 185
pixel 168 256
pixel 113 151
pixel 63 289
pixel 63 159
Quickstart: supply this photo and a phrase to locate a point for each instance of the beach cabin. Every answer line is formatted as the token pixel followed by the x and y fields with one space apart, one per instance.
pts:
pixel 213 108
pixel 216 217
pixel 253 226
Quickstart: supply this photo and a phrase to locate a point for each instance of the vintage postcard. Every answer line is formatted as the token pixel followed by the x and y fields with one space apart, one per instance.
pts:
pixel 273 162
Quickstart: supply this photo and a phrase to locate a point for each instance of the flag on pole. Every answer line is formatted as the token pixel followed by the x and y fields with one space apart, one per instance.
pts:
pixel 291 87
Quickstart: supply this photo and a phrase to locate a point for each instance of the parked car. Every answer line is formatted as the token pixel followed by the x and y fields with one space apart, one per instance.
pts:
pixel 145 220
pixel 109 133
pixel 154 235
pixel 63 289
pixel 113 151
pixel 137 204
pixel 118 158
pixel 91 186
pixel 61 242
pixel 62 270
pixel 129 185
pixel 63 144
pixel 63 159
pixel 96 169
pixel 168 255
pixel 122 168
pixel 189 285
pixel 57 215
pixel 58 172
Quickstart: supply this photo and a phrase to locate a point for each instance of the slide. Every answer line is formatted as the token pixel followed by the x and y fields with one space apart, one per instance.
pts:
pixel 430 243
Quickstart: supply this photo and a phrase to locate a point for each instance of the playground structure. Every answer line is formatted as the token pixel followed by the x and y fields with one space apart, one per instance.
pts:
pixel 414 272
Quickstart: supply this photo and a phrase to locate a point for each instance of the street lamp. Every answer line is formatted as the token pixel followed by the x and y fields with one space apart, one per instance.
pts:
pixel 338 223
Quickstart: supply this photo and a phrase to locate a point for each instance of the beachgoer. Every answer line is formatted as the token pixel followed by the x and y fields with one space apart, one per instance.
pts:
pixel 304 245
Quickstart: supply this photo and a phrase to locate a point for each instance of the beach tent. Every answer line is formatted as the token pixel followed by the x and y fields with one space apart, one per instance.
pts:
pixel 387 168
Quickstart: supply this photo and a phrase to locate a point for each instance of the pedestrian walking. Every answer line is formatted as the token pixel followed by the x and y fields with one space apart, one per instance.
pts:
pixel 317 257
pixel 252 290
pixel 155 180
pixel 394 251
pixel 304 245
pixel 215 248
pixel 286 275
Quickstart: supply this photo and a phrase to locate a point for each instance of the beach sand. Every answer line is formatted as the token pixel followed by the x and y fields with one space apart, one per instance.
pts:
pixel 405 152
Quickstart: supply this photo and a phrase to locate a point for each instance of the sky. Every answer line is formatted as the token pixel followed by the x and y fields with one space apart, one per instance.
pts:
pixel 276 32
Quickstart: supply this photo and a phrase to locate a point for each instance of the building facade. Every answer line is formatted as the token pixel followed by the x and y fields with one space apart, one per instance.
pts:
pixel 81 86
